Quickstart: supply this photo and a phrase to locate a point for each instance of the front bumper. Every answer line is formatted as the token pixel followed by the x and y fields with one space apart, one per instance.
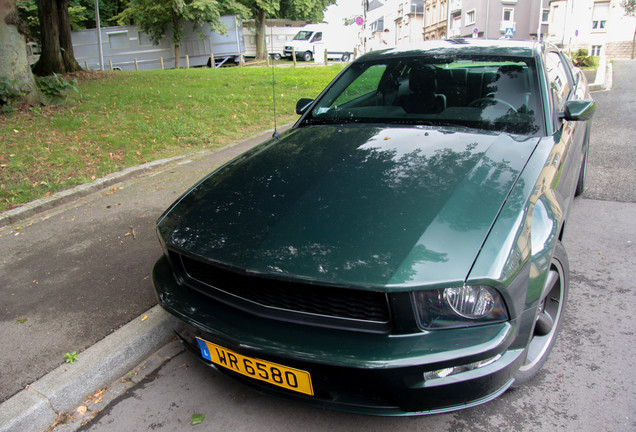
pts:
pixel 380 374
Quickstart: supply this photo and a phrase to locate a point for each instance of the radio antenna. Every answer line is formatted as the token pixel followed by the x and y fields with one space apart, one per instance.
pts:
pixel 271 41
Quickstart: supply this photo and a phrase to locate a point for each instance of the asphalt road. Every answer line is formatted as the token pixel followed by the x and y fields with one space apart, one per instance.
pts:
pixel 587 384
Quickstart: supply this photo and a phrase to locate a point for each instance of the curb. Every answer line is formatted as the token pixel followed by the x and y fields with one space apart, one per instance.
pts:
pixel 32 208
pixel 37 407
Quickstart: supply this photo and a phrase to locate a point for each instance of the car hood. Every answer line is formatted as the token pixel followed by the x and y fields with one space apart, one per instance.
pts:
pixel 353 205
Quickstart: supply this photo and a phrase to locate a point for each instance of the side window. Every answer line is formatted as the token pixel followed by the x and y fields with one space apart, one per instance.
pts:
pixel 558 78
pixel 366 83
pixel 317 37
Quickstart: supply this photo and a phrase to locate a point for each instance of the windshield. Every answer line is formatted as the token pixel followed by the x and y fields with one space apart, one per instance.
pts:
pixel 491 93
pixel 303 35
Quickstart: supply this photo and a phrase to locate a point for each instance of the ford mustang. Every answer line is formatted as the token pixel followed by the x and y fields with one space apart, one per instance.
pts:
pixel 398 250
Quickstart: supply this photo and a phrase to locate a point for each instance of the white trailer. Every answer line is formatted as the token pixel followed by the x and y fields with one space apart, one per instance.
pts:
pixel 280 36
pixel 278 33
pixel 124 45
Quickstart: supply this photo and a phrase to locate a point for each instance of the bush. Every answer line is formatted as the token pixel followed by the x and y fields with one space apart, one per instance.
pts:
pixel 8 90
pixel 582 59
pixel 53 86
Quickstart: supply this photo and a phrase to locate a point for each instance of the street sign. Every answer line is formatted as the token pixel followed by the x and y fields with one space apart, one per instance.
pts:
pixel 475 32
pixel 510 32
pixel 359 20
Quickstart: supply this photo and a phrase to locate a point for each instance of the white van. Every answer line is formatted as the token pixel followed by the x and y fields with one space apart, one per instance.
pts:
pixel 338 41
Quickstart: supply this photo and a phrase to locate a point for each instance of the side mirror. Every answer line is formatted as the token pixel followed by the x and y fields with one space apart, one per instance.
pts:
pixel 579 110
pixel 302 105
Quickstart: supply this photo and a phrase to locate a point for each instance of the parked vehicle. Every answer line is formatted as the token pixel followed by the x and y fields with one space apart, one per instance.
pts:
pixel 338 41
pixel 279 33
pixel 33 52
pixel 398 251
pixel 121 45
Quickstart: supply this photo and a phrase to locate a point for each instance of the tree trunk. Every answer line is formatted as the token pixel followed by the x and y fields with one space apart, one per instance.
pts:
pixel 66 43
pixel 55 37
pixel 177 56
pixel 14 65
pixel 261 32
pixel 176 37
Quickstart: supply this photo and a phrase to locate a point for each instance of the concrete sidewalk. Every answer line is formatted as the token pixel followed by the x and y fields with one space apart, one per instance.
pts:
pixel 76 277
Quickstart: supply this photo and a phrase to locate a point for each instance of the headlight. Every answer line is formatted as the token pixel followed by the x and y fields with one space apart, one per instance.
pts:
pixel 464 306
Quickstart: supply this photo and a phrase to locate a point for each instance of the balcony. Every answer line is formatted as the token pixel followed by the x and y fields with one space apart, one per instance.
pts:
pixel 455 6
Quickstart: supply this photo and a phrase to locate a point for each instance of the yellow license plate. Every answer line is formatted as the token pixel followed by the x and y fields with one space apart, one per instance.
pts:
pixel 278 375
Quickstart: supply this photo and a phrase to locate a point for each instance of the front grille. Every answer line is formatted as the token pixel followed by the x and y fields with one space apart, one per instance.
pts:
pixel 303 298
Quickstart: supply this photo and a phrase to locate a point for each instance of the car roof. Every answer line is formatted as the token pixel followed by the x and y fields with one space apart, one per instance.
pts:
pixel 477 47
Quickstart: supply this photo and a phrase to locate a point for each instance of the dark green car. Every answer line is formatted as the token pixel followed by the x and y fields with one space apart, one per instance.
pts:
pixel 398 251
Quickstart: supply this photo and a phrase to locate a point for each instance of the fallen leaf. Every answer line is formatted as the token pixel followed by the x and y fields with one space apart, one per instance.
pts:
pixel 197 419
pixel 81 409
pixel 144 318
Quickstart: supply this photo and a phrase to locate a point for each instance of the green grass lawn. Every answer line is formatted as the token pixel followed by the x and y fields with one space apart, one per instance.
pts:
pixel 121 119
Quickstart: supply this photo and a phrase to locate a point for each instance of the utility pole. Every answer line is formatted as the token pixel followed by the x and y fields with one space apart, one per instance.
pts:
pixel 540 19
pixel 99 36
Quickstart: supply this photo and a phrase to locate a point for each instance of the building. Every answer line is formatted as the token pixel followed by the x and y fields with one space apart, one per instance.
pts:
pixel 497 19
pixel 436 19
pixel 409 22
pixel 601 27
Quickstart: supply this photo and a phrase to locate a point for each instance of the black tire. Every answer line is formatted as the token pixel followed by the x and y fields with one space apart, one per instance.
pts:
pixel 276 56
pixel 346 57
pixel 580 185
pixel 307 56
pixel 551 307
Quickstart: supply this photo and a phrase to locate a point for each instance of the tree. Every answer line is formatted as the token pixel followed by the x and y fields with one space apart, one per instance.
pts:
pixel 55 39
pixel 81 14
pixel 259 9
pixel 160 17
pixel 306 10
pixel 15 74
pixel 630 10
pixel 312 11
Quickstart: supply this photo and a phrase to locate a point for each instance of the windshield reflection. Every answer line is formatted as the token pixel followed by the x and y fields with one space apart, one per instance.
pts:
pixel 492 93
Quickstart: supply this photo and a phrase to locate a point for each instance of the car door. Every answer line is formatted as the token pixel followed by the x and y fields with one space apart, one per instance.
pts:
pixel 567 153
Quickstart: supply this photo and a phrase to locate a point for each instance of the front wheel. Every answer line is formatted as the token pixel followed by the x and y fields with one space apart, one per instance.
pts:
pixel 307 56
pixel 549 317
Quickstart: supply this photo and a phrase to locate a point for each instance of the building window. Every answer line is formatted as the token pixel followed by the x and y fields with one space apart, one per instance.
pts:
pixel 508 17
pixel 471 17
pixel 545 15
pixel 596 50
pixel 599 16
